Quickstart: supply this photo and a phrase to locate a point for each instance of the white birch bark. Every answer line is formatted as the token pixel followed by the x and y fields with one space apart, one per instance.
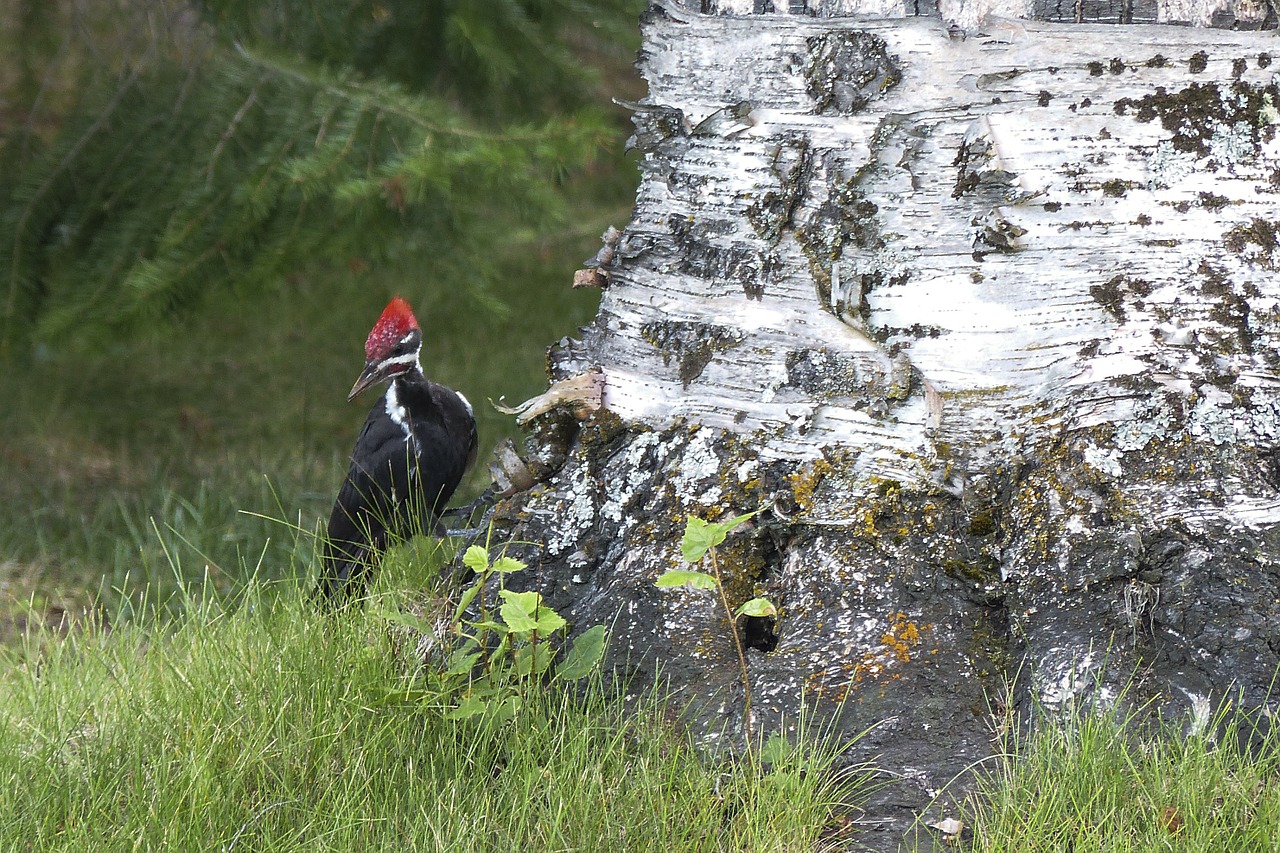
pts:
pixel 986 311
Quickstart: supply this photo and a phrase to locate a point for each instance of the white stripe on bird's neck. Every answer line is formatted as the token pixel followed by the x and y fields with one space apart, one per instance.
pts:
pixel 397 412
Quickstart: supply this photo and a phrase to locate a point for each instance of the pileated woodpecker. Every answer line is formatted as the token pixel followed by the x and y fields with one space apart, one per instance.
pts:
pixel 416 445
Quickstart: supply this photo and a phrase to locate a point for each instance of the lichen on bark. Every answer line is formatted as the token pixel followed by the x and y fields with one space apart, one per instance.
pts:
pixel 991 337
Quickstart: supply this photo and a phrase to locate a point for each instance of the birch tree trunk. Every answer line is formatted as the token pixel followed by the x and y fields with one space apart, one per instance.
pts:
pixel 984 312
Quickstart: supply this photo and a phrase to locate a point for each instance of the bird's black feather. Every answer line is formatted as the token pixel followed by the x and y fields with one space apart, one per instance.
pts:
pixel 400 479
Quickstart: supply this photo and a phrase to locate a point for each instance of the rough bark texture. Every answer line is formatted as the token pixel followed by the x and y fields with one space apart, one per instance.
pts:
pixel 987 316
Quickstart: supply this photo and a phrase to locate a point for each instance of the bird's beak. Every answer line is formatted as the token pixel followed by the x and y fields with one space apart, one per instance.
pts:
pixel 374 372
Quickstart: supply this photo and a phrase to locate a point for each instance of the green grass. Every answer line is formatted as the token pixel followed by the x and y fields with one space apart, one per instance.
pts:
pixel 240 409
pixel 1102 781
pixel 262 724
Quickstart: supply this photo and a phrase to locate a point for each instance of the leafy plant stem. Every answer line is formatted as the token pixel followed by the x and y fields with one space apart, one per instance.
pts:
pixel 700 540
pixel 737 644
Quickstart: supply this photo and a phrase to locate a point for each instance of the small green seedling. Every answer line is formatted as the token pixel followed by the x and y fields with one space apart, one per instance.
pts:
pixel 700 540
pixel 500 656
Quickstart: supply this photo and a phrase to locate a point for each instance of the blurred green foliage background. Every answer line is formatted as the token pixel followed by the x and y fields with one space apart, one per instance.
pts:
pixel 204 206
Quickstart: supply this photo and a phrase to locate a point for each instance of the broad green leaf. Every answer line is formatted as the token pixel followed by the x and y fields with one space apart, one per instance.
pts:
pixel 727 527
pixel 468 595
pixel 533 659
pixel 490 626
pixel 545 657
pixel 583 656
pixel 408 620
pixel 522 660
pixel 549 621
pixel 776 750
pixel 684 577
pixel 701 536
pixel 518 610
pixel 507 709
pixel 469 707
pixel 485 689
pixel 527 600
pixel 506 565
pixel 462 662
pixel 524 612
pixel 476 559
pixel 757 607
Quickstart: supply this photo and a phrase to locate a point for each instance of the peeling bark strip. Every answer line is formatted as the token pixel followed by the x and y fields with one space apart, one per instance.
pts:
pixel 991 325
pixel 967 14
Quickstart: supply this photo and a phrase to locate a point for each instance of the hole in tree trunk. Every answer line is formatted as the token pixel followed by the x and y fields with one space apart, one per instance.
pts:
pixel 757 633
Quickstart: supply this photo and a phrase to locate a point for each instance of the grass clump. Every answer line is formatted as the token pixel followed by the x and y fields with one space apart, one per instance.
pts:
pixel 1107 781
pixel 257 723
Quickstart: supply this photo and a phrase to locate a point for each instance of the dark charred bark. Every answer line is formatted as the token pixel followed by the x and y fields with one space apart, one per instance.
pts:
pixel 985 316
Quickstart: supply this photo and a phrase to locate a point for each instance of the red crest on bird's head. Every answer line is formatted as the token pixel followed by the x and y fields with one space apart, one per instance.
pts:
pixel 397 320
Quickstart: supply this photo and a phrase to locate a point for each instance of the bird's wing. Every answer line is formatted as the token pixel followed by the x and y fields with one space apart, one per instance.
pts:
pixel 377 478
pixel 399 484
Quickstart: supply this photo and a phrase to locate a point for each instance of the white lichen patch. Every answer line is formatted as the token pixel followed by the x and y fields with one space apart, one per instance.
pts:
pixel 775 379
pixel 578 515
pixel 1107 461
pixel 1232 145
pixel 1064 676
pixel 1076 524
pixel 1168 167
pixel 1199 714
pixel 1268 115
pixel 1215 418
pixel 636 476
pixel 1148 423
pixel 1265 416
pixel 695 478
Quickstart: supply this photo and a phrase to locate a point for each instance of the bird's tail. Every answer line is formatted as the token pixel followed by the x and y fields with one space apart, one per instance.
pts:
pixel 341 573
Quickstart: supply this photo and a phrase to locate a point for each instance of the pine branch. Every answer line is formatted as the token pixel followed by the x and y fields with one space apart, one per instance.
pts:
pixel 206 167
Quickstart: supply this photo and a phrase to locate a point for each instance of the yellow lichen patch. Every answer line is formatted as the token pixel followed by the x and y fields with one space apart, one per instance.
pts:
pixel 741 563
pixel 903 636
pixel 880 663
pixel 805 482
pixel 886 502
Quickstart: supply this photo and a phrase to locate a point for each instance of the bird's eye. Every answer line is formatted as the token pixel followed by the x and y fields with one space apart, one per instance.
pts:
pixel 408 343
